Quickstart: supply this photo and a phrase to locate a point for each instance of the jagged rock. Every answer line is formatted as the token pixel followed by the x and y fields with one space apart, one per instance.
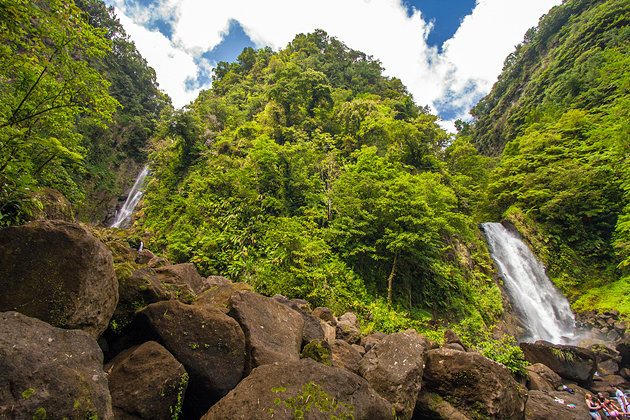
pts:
pixel 325 314
pixel 555 405
pixel 603 384
pixel 209 344
pixel 50 372
pixel 146 382
pixel 542 378
pixel 58 272
pixel 393 367
pixel 265 392
pixel 347 328
pixel 432 406
pixel 143 257
pixel 218 294
pixel 318 350
pixel 273 331
pixel 344 355
pixel 312 326
pixel 476 384
pixel 570 362
pixel 450 337
pixel 372 339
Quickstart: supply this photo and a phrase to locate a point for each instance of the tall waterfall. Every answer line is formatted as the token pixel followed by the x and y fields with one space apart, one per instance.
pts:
pixel 123 215
pixel 544 311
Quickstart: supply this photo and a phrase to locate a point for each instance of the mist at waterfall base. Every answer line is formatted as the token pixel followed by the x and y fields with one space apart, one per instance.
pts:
pixel 123 215
pixel 543 310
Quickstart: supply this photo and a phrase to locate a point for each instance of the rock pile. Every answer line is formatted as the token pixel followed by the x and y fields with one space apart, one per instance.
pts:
pixel 182 346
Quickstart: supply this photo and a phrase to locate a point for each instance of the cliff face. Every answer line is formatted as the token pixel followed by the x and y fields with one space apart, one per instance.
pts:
pixel 557 67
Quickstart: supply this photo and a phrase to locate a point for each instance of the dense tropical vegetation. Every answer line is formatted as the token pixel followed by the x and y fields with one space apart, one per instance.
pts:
pixel 308 173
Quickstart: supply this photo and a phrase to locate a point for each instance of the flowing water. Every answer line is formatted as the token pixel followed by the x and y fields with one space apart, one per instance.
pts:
pixel 544 311
pixel 123 215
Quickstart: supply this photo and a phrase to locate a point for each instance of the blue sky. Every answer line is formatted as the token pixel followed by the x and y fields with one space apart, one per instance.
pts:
pixel 447 52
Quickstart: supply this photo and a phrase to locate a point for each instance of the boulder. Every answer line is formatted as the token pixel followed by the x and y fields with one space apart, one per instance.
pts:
pixel 144 256
pixel 272 330
pixel 55 206
pixel 608 367
pixel 450 337
pixel 393 367
pixel 146 382
pixel 219 294
pixel 432 406
pixel 344 355
pixel 139 290
pixel 555 405
pixel 372 339
pixel 478 387
pixel 181 280
pixel 348 329
pixel 209 344
pixel 359 348
pixel 312 326
pixel 280 391
pixel 217 280
pixel 50 372
pixel 318 350
pixel 570 362
pixel 546 373
pixel 330 332
pixel 325 314
pixel 58 272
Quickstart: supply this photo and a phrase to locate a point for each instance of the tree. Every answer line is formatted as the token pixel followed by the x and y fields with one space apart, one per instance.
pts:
pixel 47 83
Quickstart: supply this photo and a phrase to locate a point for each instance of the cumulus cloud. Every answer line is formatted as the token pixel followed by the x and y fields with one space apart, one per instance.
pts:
pixel 449 81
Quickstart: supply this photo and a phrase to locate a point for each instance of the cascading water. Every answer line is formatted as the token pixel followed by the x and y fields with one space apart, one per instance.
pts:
pixel 543 310
pixel 123 215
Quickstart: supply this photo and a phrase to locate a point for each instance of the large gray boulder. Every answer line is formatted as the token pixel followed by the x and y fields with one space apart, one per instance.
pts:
pixel 541 378
pixel 344 355
pixel 570 362
pixel 146 382
pixel 182 280
pixel 209 344
pixel 50 372
pixel 393 367
pixel 282 391
pixel 58 272
pixel 475 385
pixel 273 331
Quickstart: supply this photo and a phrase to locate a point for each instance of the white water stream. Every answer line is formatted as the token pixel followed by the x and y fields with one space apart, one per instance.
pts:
pixel 123 215
pixel 544 311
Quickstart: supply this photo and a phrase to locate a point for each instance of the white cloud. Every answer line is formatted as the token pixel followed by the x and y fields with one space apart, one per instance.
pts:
pixel 381 28
pixel 172 65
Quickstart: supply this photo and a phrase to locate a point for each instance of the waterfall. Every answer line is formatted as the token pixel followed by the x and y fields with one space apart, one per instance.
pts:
pixel 123 215
pixel 544 311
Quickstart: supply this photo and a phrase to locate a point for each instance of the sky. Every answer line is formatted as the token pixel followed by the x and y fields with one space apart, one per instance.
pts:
pixel 447 52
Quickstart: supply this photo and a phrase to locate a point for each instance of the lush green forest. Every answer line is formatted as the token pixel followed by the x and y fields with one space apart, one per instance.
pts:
pixel 308 173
